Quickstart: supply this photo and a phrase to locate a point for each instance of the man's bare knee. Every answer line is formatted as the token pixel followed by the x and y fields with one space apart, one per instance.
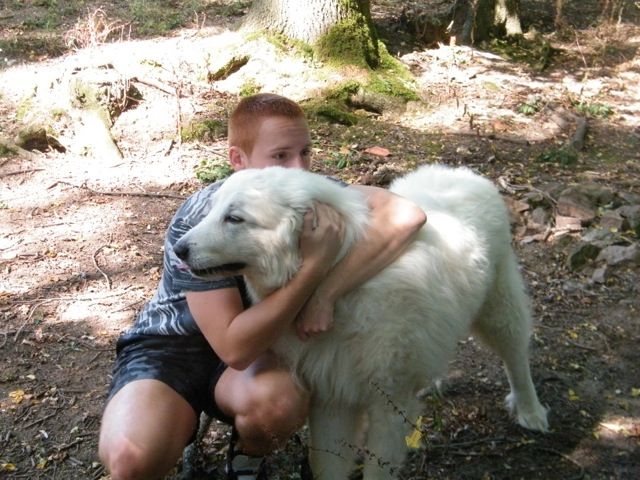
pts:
pixel 274 414
pixel 123 460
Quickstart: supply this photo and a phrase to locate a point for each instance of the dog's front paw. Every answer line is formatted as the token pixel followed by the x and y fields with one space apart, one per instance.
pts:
pixel 533 417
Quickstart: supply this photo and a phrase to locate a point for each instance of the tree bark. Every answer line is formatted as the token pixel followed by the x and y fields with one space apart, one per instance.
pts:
pixel 477 20
pixel 315 21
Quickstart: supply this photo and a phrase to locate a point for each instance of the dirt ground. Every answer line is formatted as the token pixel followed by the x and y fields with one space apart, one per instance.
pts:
pixel 81 236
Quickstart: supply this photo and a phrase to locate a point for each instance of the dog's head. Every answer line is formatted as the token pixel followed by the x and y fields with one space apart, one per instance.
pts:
pixel 255 221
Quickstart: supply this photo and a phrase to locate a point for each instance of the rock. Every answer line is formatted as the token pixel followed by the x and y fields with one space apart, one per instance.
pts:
pixel 600 274
pixel 629 198
pixel 516 209
pixel 540 216
pixel 536 199
pixel 612 220
pixel 619 254
pixel 582 254
pixel 632 214
pixel 576 204
pixel 598 194
pixel 602 237
pixel 570 224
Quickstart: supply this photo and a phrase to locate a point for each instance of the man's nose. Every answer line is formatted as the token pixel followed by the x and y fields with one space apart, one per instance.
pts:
pixel 298 162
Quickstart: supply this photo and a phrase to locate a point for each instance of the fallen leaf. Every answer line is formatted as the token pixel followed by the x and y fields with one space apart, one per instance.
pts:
pixel 17 396
pixel 7 467
pixel 635 392
pixel 379 151
pixel 414 440
pixel 573 396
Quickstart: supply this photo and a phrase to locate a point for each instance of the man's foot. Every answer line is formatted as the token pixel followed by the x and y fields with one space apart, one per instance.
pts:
pixel 243 467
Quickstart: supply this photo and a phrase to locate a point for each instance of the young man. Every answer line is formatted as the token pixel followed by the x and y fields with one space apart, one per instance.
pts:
pixel 199 346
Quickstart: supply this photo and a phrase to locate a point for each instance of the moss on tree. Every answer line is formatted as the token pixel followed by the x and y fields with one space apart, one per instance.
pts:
pixel 350 42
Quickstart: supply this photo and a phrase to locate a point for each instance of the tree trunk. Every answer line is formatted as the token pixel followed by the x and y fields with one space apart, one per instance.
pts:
pixel 337 29
pixel 477 20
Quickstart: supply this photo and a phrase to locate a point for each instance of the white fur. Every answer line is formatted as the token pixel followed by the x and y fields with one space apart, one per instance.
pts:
pixel 395 334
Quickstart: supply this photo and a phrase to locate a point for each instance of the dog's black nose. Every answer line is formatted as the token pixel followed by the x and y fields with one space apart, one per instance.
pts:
pixel 181 249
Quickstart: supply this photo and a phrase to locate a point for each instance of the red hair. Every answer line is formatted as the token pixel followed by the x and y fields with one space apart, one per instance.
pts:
pixel 248 115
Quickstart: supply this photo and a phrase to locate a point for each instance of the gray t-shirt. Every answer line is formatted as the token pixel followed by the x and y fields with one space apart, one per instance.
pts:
pixel 167 312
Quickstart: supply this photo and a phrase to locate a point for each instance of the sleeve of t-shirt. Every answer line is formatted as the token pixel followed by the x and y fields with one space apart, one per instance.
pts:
pixel 183 280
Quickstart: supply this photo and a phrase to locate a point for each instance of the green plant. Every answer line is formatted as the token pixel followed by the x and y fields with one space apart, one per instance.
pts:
pixel 158 17
pixel 530 107
pixel 563 156
pixel 211 170
pixel 210 129
pixel 339 159
pixel 598 110
pixel 250 87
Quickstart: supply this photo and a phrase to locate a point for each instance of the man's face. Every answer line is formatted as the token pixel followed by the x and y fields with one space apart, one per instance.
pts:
pixel 281 141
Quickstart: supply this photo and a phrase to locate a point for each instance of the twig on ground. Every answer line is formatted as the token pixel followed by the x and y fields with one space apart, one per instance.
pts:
pixel 467 444
pixel 40 420
pixel 120 194
pixel 129 305
pixel 31 312
pixel 20 172
pixel 95 263
pixel 565 457
pixel 579 345
pixel 74 299
pixel 150 83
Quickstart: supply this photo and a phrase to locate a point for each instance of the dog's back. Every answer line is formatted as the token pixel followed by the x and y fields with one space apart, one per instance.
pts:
pixel 407 320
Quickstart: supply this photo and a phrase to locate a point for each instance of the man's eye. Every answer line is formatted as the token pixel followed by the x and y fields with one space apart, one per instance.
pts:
pixel 233 219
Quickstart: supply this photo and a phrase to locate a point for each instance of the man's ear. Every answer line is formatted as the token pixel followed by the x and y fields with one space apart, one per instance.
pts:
pixel 237 158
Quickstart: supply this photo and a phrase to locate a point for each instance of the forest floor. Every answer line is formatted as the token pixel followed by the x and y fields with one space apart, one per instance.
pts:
pixel 81 237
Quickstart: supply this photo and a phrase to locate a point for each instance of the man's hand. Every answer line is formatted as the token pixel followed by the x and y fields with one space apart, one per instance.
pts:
pixel 320 242
pixel 321 238
pixel 316 316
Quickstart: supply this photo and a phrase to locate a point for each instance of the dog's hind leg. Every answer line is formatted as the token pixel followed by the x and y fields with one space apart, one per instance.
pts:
pixel 504 324
pixel 389 422
pixel 332 450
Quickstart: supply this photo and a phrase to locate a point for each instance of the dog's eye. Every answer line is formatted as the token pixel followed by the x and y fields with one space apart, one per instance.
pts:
pixel 233 219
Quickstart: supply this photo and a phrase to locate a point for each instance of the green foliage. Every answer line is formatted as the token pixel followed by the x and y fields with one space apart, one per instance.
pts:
pixel 211 170
pixel 597 110
pixel 339 159
pixel 49 21
pixel 536 53
pixel 203 130
pixel 392 86
pixel 336 113
pixel 250 87
pixel 229 68
pixel 284 43
pixel 234 9
pixel 155 17
pixel 565 157
pixel 531 106
pixel 350 42
pixel 4 150
pixel 24 107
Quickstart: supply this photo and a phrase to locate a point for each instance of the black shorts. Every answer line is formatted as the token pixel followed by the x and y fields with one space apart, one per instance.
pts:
pixel 186 363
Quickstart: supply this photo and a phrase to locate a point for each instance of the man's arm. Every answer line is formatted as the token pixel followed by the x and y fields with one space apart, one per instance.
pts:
pixel 393 224
pixel 240 336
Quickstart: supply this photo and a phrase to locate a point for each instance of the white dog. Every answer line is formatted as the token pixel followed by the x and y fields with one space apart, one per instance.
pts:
pixel 396 333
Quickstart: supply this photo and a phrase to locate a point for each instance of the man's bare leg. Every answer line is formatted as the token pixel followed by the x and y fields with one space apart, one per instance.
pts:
pixel 265 402
pixel 145 427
